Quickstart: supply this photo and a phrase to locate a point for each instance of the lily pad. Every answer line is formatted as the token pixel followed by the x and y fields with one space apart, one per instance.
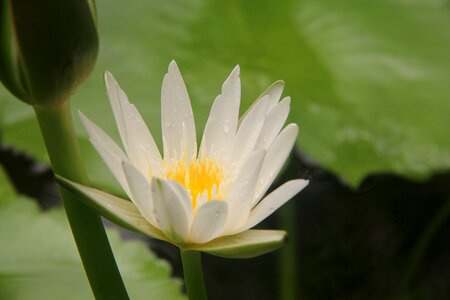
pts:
pixel 39 260
pixel 368 80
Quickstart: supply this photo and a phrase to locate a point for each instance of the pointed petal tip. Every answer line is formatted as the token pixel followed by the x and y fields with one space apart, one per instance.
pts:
pixel 109 78
pixel 306 181
pixel 87 123
pixel 302 182
pixel 279 83
pixel 292 127
pixel 232 79
pixel 277 87
pixel 286 99
pixel 173 66
pixel 236 71
pixel 81 115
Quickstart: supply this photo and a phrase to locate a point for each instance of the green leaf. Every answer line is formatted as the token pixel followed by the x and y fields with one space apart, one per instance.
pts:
pixel 368 80
pixel 247 244
pixel 39 260
pixel 7 192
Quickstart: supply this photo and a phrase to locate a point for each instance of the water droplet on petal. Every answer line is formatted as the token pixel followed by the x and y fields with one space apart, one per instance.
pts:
pixel 226 126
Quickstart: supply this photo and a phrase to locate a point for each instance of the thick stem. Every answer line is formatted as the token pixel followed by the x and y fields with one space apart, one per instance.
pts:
pixel 288 279
pixel 288 256
pixel 423 243
pixel 87 228
pixel 193 275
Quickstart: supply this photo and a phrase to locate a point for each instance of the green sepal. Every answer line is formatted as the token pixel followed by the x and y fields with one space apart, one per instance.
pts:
pixel 247 244
pixel 118 210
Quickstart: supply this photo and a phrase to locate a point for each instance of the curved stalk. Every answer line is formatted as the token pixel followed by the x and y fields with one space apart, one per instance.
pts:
pixel 87 228
pixel 193 274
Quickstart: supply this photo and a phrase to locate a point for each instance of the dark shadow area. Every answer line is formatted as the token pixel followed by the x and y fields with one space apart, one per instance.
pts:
pixel 350 244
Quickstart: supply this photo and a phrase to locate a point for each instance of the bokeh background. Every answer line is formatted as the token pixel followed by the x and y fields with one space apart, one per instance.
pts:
pixel 370 89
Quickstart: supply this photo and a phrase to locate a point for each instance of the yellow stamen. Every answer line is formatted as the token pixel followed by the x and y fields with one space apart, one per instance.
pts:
pixel 198 177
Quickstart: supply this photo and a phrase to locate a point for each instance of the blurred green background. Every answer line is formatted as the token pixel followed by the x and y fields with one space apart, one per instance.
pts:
pixel 370 89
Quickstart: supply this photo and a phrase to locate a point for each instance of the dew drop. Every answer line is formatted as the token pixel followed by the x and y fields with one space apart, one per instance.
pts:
pixel 226 126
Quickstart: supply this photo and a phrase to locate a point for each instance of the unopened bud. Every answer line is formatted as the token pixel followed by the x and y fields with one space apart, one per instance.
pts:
pixel 47 48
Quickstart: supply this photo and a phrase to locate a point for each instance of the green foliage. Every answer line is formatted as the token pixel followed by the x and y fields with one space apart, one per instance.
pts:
pixel 39 260
pixel 368 80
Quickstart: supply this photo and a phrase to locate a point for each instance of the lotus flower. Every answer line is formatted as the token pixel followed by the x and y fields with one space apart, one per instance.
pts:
pixel 199 198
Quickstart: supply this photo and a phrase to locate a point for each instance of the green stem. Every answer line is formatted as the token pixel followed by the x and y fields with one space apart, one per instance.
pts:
pixel 288 279
pixel 423 243
pixel 87 228
pixel 288 256
pixel 193 274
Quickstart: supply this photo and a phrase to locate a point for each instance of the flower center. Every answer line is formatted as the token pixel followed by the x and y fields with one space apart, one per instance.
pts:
pixel 200 177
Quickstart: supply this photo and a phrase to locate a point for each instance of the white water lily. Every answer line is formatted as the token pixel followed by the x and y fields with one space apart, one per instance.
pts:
pixel 204 198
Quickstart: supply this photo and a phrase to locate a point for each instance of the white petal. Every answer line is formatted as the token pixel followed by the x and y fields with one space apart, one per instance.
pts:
pixel 209 221
pixel 172 209
pixel 274 91
pixel 201 199
pixel 136 138
pixel 273 123
pixel 275 158
pixel 242 190
pixel 117 99
pixel 177 119
pixel 111 154
pixel 223 118
pixel 143 151
pixel 140 192
pixel 274 201
pixel 248 132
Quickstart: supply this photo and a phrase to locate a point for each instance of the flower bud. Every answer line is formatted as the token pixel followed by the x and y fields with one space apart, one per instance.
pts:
pixel 47 48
